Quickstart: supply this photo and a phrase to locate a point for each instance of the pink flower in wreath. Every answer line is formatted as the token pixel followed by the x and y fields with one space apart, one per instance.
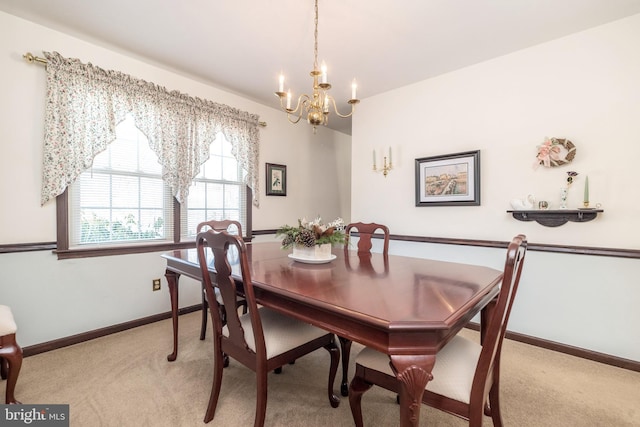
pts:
pixel 549 150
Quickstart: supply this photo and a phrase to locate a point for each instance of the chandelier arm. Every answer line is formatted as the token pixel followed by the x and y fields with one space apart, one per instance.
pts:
pixel 302 100
pixel 303 105
pixel 335 108
pixel 293 121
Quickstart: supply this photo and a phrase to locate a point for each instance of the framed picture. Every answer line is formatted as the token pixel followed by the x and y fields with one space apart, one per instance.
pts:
pixel 276 180
pixel 449 180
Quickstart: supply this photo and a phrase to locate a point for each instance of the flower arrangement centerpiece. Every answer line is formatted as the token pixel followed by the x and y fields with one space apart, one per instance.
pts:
pixel 312 239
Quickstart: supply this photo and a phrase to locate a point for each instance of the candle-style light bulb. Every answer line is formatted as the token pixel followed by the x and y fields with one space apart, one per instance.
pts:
pixel 323 69
pixel 389 156
pixel 374 159
pixel 354 86
pixel 289 99
pixel 281 83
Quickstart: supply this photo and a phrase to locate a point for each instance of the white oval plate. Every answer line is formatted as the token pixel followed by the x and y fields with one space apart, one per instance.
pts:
pixel 312 260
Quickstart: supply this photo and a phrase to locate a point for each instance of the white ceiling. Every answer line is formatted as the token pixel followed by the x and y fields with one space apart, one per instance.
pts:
pixel 243 45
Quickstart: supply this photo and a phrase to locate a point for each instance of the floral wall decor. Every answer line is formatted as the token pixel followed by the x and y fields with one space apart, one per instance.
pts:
pixel 555 152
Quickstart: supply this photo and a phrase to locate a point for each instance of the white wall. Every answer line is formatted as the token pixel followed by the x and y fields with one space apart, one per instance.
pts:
pixel 53 299
pixel 584 87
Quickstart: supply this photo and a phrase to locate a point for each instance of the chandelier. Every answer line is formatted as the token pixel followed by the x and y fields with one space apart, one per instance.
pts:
pixel 315 106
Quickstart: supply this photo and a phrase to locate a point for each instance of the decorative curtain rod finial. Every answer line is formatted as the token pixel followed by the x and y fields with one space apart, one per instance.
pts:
pixel 29 57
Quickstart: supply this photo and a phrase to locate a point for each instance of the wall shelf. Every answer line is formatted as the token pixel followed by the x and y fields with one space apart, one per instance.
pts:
pixel 557 217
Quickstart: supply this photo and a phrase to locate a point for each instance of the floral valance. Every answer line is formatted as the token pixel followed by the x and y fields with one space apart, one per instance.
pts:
pixel 85 103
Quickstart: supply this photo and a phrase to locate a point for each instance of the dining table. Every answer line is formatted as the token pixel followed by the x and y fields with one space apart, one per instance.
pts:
pixel 407 307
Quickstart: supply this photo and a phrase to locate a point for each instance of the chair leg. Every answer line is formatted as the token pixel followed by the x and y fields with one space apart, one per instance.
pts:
pixel 4 368
pixel 217 383
pixel 345 345
pixel 334 352
pixel 356 390
pixel 205 307
pixel 11 355
pixel 494 405
pixel 261 397
pixel 243 304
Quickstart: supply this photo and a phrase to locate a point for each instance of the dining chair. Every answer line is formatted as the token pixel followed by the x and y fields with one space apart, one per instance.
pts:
pixel 10 353
pixel 261 339
pixel 219 225
pixel 466 375
pixel 365 233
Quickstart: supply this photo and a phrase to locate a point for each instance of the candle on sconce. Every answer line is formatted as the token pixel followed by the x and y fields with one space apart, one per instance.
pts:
pixel 281 83
pixel 374 159
pixel 389 155
pixel 289 99
pixel 586 191
pixel 354 86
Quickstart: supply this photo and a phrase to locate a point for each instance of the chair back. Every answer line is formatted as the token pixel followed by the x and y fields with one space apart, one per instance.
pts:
pixel 365 232
pixel 221 243
pixel 220 225
pixel 489 360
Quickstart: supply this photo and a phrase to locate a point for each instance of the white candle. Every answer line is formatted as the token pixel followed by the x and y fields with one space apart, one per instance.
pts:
pixel 354 86
pixel 389 155
pixel 325 107
pixel 374 159
pixel 586 190
pixel 323 76
pixel 289 99
pixel 281 83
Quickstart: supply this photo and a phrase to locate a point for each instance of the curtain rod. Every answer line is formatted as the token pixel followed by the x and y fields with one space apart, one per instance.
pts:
pixel 29 57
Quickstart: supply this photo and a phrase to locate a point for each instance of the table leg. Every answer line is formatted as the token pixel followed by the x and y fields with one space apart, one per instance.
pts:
pixel 485 316
pixel 172 281
pixel 345 344
pixel 414 372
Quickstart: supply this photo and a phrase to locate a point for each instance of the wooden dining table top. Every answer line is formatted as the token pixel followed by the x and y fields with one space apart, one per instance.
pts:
pixel 400 295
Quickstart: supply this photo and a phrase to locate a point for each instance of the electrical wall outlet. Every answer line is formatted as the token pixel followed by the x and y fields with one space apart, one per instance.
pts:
pixel 156 284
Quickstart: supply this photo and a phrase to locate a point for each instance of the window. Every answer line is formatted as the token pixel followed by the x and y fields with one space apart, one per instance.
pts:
pixel 218 192
pixel 122 198
pixel 123 203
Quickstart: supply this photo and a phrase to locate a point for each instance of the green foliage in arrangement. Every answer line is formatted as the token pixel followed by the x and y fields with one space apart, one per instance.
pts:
pixel 311 233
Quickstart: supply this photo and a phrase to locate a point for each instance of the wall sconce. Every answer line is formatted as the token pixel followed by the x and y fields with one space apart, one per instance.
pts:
pixel 386 167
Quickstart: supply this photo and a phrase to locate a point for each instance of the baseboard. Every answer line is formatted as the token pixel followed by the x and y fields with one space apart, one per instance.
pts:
pixel 97 333
pixel 538 342
pixel 607 359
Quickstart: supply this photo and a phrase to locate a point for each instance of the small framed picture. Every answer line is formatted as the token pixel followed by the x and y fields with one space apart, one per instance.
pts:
pixel 276 180
pixel 448 180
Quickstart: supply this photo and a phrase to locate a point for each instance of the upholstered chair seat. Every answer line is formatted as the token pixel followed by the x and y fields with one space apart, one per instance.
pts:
pixel 452 374
pixel 7 324
pixel 281 333
pixel 10 352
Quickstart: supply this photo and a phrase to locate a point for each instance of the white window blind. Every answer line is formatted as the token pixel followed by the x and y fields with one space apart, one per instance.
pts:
pixel 218 192
pixel 122 199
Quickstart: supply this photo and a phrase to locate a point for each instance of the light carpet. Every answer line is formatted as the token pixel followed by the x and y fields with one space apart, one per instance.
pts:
pixel 125 380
